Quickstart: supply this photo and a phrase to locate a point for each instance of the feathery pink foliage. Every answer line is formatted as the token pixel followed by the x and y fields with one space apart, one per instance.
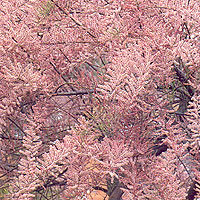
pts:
pixel 88 96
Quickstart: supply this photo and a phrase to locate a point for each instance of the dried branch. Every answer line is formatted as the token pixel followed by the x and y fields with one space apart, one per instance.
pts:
pixel 74 93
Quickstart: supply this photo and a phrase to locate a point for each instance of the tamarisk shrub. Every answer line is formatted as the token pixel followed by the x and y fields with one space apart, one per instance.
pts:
pixel 99 95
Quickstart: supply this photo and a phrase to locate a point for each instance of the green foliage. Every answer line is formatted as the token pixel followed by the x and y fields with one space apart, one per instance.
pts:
pixel 4 191
pixel 46 9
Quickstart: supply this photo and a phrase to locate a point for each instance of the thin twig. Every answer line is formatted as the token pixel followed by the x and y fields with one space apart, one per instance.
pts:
pixel 185 168
pixel 17 126
pixel 59 73
pixel 74 93
pixel 74 20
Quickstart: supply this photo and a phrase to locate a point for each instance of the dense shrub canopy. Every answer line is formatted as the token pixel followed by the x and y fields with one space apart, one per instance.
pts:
pixel 100 95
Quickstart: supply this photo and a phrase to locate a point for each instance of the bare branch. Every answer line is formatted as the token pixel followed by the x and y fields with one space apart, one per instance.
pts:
pixel 74 93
